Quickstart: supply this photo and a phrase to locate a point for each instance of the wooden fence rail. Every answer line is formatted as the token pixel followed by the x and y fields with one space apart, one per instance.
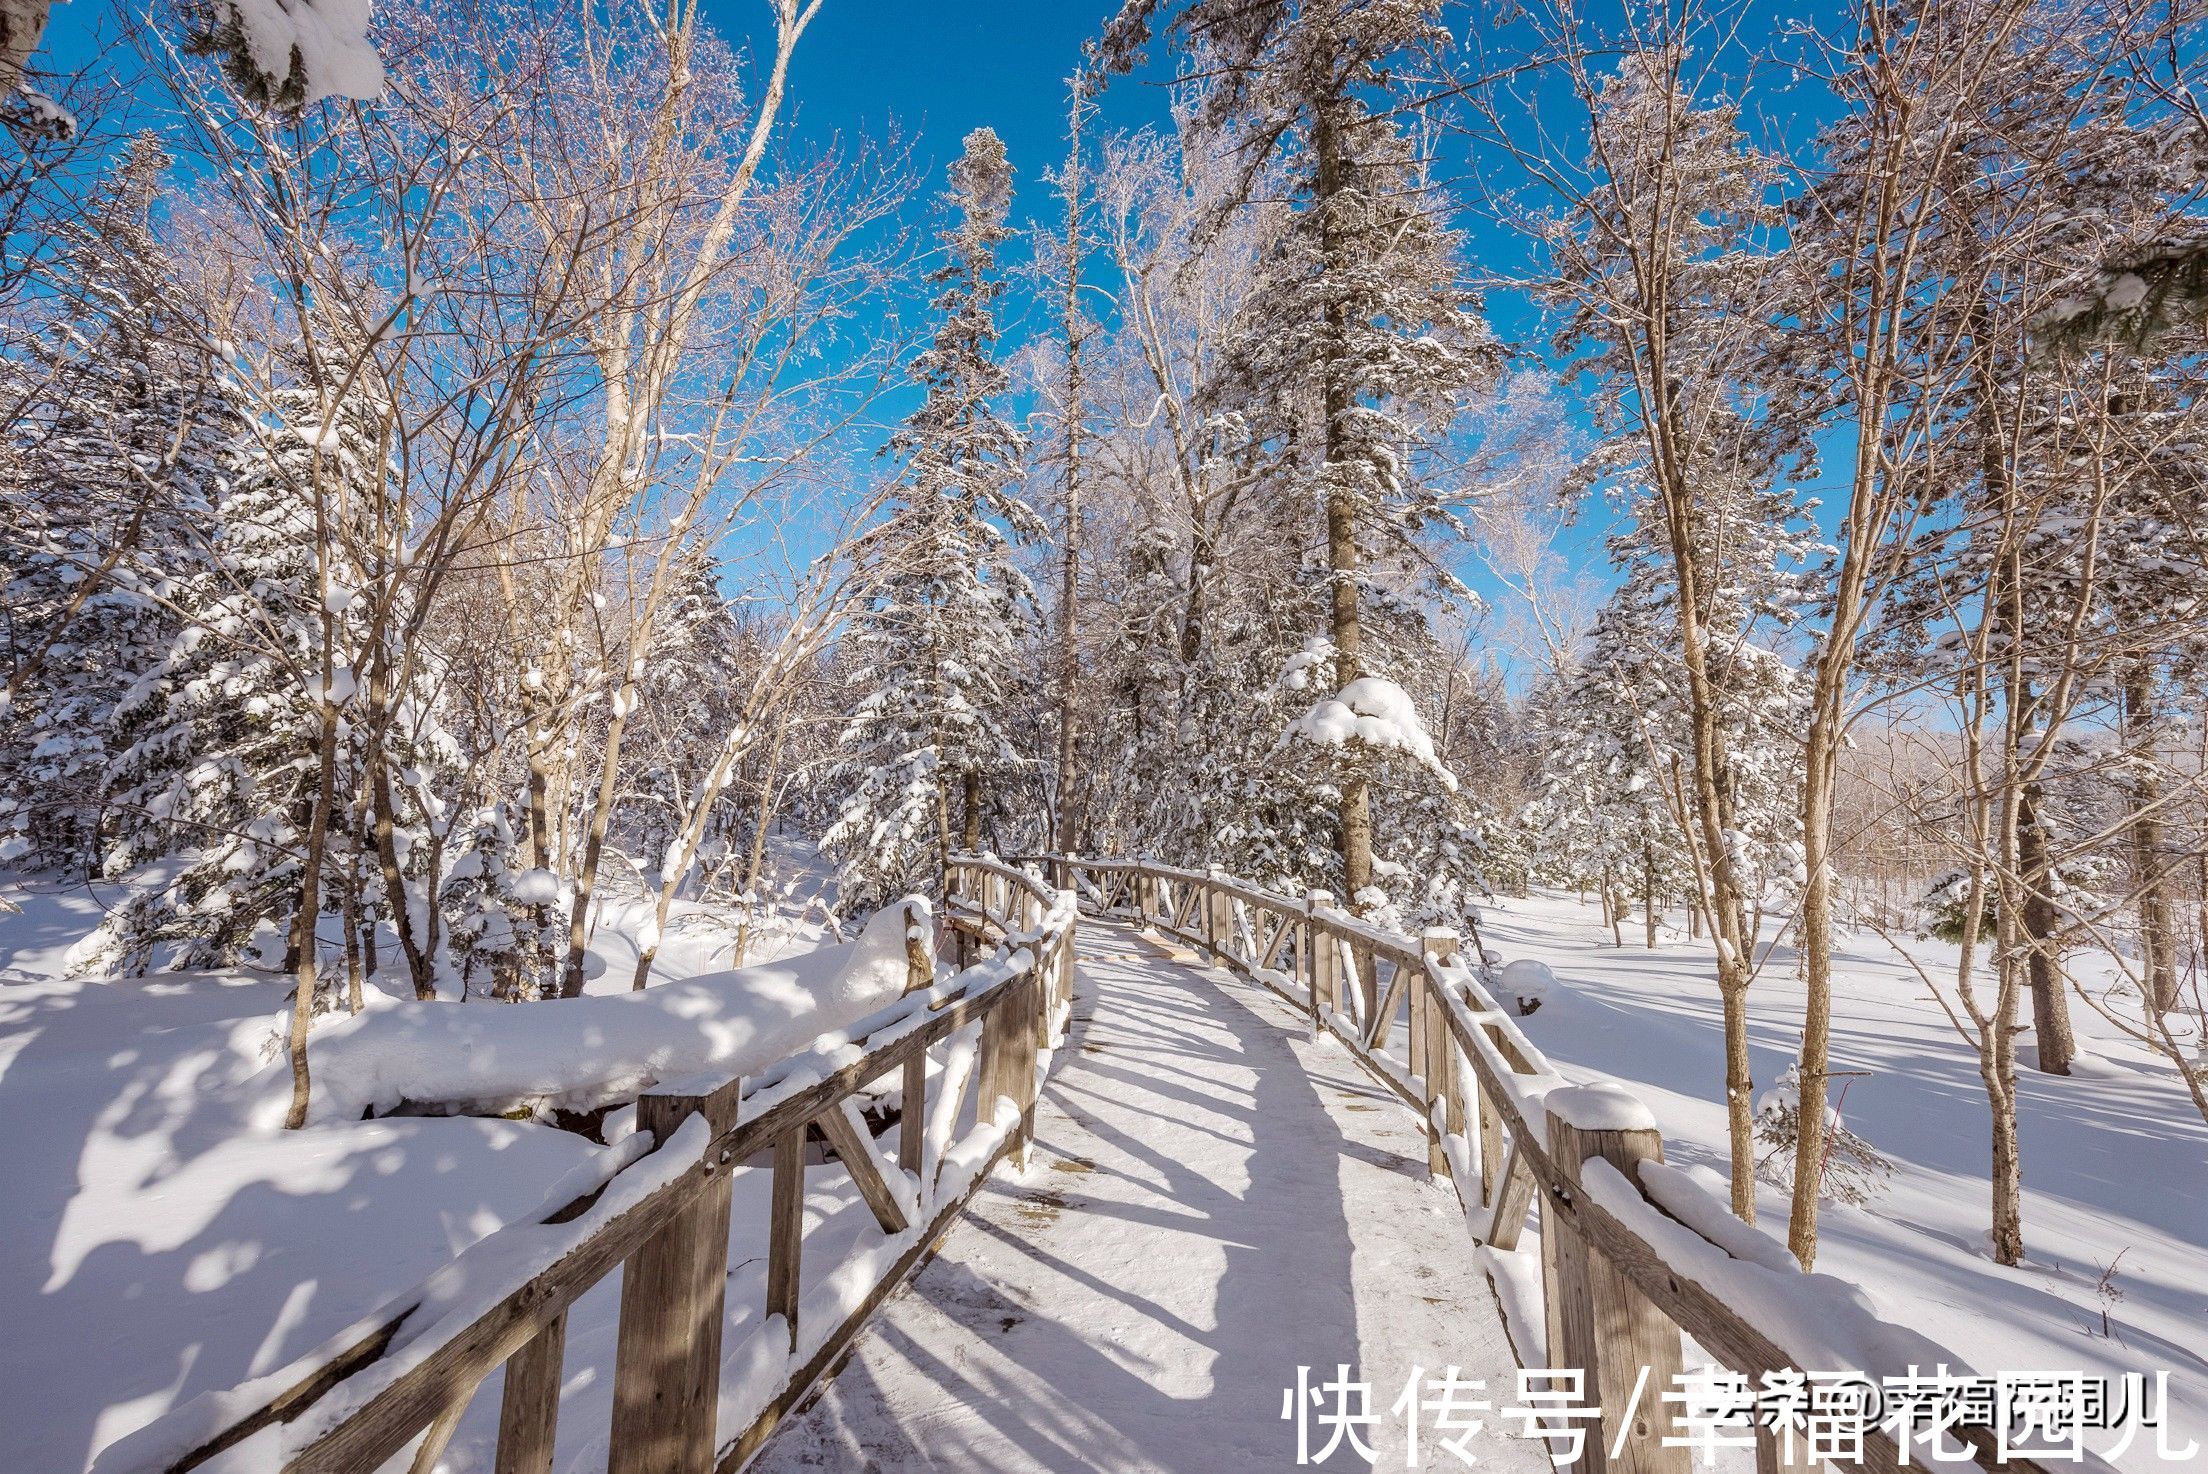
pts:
pixel 1504 1128
pixel 401 1380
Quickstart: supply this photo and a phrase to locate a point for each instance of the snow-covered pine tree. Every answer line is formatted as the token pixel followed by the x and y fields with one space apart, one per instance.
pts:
pixel 1362 322
pixel 120 461
pixel 936 654
pixel 216 741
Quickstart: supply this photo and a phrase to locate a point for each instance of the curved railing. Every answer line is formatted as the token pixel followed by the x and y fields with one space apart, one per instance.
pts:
pixel 406 1374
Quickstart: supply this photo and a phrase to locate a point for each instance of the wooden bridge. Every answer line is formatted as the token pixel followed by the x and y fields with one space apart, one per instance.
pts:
pixel 1320 1063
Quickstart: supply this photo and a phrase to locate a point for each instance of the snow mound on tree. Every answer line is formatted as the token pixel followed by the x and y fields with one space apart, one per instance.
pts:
pixel 328 38
pixel 1375 713
pixel 582 1053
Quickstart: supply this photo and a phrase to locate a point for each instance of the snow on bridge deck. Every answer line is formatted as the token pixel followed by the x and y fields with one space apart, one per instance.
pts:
pixel 1212 1200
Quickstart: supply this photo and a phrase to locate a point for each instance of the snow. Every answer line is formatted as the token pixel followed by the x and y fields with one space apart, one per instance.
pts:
pixel 1599 1107
pixel 2125 292
pixel 327 38
pixel 155 1245
pixel 581 1053
pixel 178 1253
pixel 1371 712
pixel 2116 1163
pixel 1526 982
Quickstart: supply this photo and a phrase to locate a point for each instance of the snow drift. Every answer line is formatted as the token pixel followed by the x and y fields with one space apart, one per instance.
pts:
pixel 582 1053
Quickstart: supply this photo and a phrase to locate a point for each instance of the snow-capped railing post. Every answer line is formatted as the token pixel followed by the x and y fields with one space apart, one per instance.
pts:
pixel 667 1361
pixel 1598 1320
pixel 1433 1053
pixel 1321 959
pixel 1218 929
pixel 919 958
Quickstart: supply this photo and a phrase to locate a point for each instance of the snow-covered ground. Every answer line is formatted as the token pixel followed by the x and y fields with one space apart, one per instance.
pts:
pixel 159 1240
pixel 2115 1157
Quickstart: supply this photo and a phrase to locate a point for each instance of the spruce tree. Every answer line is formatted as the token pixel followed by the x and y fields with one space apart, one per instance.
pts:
pixel 937 651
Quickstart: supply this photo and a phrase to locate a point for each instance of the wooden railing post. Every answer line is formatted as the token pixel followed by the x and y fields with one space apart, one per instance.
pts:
pixel 529 1411
pixel 1002 1032
pixel 919 957
pixel 912 1118
pixel 1070 904
pixel 1209 901
pixel 667 1361
pixel 1432 1051
pixel 1323 958
pixel 786 1229
pixel 1598 1320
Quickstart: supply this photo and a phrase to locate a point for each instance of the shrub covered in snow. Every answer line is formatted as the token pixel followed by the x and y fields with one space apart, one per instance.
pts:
pixel 1853 1173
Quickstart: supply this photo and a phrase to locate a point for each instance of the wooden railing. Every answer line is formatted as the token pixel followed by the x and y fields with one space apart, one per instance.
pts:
pixel 1633 1253
pixel 405 1376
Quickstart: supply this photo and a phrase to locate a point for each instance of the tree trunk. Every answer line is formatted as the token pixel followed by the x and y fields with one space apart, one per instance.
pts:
pixel 1648 894
pixel 419 951
pixel 757 863
pixel 349 904
pixel 1820 776
pixel 2157 933
pixel 970 800
pixel 1355 810
pixel 305 969
pixel 1062 823
pixel 22 24
pixel 1740 1095
pixel 594 839
pixel 1998 1068
pixel 2057 1045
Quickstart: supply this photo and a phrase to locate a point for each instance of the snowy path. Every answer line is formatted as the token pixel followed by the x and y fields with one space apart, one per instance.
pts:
pixel 1212 1200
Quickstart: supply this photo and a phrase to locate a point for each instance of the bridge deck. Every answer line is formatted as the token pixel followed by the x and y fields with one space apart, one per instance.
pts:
pixel 1213 1199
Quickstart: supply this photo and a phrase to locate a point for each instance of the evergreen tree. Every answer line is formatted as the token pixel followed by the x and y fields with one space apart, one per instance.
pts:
pixel 107 481
pixel 217 739
pixel 937 651
pixel 1362 338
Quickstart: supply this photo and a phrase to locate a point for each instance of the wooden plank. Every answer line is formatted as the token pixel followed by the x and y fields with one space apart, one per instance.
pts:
pixel 1607 1327
pixel 529 1409
pixel 1436 1050
pixel 1381 1025
pixel 1491 1145
pixel 912 1115
pixel 667 1357
pixel 1511 1201
pixel 961 1065
pixel 390 1418
pixel 1316 949
pixel 786 1229
pixel 854 1147
pixel 439 1434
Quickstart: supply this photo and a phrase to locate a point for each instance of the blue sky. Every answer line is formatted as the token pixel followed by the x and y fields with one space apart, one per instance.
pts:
pixel 933 70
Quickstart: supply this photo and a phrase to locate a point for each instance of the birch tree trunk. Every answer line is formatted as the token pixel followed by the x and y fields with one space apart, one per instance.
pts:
pixel 1069 577
pixel 2157 934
